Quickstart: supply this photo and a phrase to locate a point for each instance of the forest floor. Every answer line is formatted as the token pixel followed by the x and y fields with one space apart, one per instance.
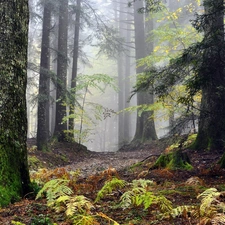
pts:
pixel 180 187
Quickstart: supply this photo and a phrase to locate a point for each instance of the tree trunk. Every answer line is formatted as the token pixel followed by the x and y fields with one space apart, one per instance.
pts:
pixel 14 173
pixel 211 134
pixel 145 127
pixel 44 82
pixel 75 63
pixel 121 70
pixel 61 71
pixel 127 89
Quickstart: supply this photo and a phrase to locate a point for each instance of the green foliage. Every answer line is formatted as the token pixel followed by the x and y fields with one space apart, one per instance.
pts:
pixel 34 163
pixel 8 195
pixel 41 220
pixel 109 186
pixel 173 160
pixel 55 189
pixel 182 210
pixel 209 200
pixel 17 223
pixel 212 207
pixel 86 113
pixel 140 195
pixel 75 205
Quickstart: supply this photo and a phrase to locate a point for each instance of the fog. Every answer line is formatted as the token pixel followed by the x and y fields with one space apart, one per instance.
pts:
pixel 108 61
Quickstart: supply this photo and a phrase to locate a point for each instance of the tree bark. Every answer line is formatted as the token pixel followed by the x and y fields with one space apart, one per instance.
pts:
pixel 14 173
pixel 44 82
pixel 61 71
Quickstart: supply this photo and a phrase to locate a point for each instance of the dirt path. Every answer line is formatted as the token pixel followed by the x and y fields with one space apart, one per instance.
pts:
pixel 68 155
pixel 99 161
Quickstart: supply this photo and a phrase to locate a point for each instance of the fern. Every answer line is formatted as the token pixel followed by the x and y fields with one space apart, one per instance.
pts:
pixel 218 219
pixel 142 183
pixel 139 195
pixel 183 210
pixel 109 186
pixel 208 197
pixel 78 204
pixel 212 207
pixel 55 189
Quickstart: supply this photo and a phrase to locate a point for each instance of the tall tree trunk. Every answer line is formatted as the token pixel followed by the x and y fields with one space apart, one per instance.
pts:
pixel 127 118
pixel 61 71
pixel 145 127
pixel 120 63
pixel 75 61
pixel 14 178
pixel 211 134
pixel 44 82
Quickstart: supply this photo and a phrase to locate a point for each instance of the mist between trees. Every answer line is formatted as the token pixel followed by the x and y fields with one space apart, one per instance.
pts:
pixel 85 59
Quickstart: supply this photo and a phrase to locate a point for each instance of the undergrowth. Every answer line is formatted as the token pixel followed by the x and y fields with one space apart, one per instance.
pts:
pixel 99 198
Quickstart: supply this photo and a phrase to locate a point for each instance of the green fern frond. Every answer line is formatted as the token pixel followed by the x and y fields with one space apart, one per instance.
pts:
pixel 181 210
pixel 142 183
pixel 78 204
pixel 126 199
pixel 132 197
pixel 208 198
pixel 109 186
pixel 147 199
pixel 164 204
pixel 54 189
pixel 208 192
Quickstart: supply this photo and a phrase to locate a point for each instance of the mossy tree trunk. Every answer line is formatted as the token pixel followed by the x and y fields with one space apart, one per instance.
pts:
pixel 14 174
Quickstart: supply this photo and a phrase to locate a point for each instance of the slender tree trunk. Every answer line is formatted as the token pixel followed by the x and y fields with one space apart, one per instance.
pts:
pixel 14 178
pixel 75 61
pixel 121 71
pixel 61 71
pixel 211 134
pixel 44 82
pixel 145 127
pixel 127 118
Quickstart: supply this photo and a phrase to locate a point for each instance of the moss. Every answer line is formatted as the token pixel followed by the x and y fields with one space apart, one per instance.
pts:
pixel 34 163
pixel 173 160
pixel 8 195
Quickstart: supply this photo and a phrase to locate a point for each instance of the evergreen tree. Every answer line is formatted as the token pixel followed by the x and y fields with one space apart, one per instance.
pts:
pixel 62 62
pixel 44 81
pixel 201 69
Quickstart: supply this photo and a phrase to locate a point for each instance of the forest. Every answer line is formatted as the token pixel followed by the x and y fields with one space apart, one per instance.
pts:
pixel 112 112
